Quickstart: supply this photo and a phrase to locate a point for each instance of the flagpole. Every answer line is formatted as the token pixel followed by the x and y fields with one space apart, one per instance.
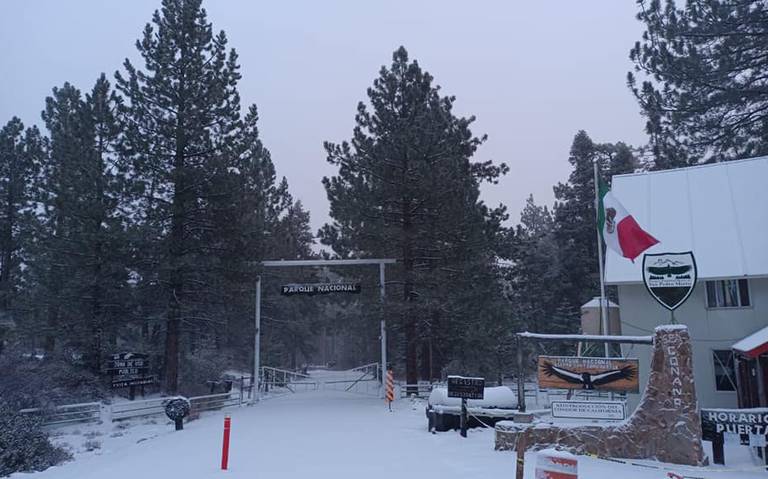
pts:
pixel 603 308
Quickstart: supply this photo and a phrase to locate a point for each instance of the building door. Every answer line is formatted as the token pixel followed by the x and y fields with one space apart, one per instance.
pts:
pixel 748 389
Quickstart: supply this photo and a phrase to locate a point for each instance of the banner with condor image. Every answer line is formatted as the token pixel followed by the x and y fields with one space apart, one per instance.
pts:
pixel 573 372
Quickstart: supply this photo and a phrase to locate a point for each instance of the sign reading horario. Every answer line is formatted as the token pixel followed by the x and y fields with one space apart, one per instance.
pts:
pixel 734 421
pixel 319 288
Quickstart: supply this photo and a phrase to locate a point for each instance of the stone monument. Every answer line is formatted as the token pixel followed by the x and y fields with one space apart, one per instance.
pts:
pixel 665 426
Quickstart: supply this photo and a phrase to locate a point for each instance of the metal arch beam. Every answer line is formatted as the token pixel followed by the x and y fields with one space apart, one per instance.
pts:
pixel 324 262
pixel 319 262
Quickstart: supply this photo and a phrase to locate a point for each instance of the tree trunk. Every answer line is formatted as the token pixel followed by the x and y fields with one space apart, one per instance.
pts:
pixel 411 340
pixel 176 252
pixel 172 352
pixel 7 246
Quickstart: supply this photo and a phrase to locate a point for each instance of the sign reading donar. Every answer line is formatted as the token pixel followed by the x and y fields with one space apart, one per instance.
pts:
pixel 319 288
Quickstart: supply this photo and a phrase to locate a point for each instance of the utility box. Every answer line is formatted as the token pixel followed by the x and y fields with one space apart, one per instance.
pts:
pixel 591 322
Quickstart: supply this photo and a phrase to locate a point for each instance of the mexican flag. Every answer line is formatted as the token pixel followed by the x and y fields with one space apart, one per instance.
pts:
pixel 619 229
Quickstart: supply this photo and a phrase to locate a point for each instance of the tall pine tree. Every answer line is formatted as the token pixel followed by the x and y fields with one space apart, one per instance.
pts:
pixel 575 226
pixel 21 155
pixel 182 114
pixel 83 248
pixel 407 188
pixel 704 83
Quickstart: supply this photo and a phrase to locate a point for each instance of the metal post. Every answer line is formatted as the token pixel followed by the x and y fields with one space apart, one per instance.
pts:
pixel 520 376
pixel 382 294
pixel 257 341
pixel 463 420
pixel 603 309
pixel 761 393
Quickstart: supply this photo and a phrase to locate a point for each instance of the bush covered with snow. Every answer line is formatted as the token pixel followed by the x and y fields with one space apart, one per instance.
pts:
pixel 51 381
pixel 24 446
pixel 198 369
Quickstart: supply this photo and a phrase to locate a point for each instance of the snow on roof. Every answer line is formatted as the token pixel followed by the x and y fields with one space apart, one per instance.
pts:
pixel 753 345
pixel 719 211
pixel 595 303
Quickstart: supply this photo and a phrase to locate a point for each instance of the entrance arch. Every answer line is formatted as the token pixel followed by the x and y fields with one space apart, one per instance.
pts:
pixel 381 262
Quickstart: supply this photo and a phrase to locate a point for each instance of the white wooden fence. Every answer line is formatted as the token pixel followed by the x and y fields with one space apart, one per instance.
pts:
pixel 98 412
pixel 68 414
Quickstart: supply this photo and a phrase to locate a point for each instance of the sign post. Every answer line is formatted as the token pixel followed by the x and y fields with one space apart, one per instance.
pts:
pixel 225 444
pixel 390 396
pixel 465 388
pixel 177 409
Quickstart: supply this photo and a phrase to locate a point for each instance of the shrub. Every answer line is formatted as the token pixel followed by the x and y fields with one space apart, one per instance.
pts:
pixel 55 380
pixel 198 369
pixel 24 446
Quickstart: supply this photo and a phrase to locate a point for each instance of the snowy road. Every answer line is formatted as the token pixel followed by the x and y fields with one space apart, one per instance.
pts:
pixel 322 434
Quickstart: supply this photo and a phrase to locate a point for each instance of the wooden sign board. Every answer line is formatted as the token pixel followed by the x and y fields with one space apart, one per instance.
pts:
pixel 606 374
pixel 319 288
pixel 466 388
pixel 127 364
pixel 751 425
pixel 744 422
pixel 608 410
pixel 124 383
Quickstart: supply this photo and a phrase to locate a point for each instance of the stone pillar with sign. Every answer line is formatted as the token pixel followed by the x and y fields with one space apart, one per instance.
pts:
pixel 665 426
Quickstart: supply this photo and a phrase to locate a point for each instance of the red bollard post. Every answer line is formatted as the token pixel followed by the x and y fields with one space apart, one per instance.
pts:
pixel 225 446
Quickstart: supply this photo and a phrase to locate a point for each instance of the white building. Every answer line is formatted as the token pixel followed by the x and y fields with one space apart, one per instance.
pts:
pixel 720 212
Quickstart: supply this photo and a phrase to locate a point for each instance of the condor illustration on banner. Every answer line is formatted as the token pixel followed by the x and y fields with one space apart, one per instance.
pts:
pixel 568 372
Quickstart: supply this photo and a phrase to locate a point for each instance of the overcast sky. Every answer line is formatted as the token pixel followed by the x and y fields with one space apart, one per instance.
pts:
pixel 533 73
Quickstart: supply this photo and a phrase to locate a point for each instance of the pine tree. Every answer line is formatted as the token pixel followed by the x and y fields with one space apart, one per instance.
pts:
pixel 83 248
pixel 209 202
pixel 407 188
pixel 705 76
pixel 21 155
pixel 535 269
pixel 182 115
pixel 575 230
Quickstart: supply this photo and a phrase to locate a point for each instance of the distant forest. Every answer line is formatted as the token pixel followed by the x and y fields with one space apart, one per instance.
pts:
pixel 136 219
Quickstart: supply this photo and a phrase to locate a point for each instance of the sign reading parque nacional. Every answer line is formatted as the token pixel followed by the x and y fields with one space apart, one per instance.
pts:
pixel 610 410
pixel 569 372
pixel 670 277
pixel 466 388
pixel 319 288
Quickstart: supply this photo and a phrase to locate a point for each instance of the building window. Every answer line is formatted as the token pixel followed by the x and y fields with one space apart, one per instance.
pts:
pixel 725 373
pixel 728 293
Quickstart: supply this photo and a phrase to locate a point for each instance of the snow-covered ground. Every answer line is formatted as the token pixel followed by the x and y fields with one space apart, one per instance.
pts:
pixel 318 434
